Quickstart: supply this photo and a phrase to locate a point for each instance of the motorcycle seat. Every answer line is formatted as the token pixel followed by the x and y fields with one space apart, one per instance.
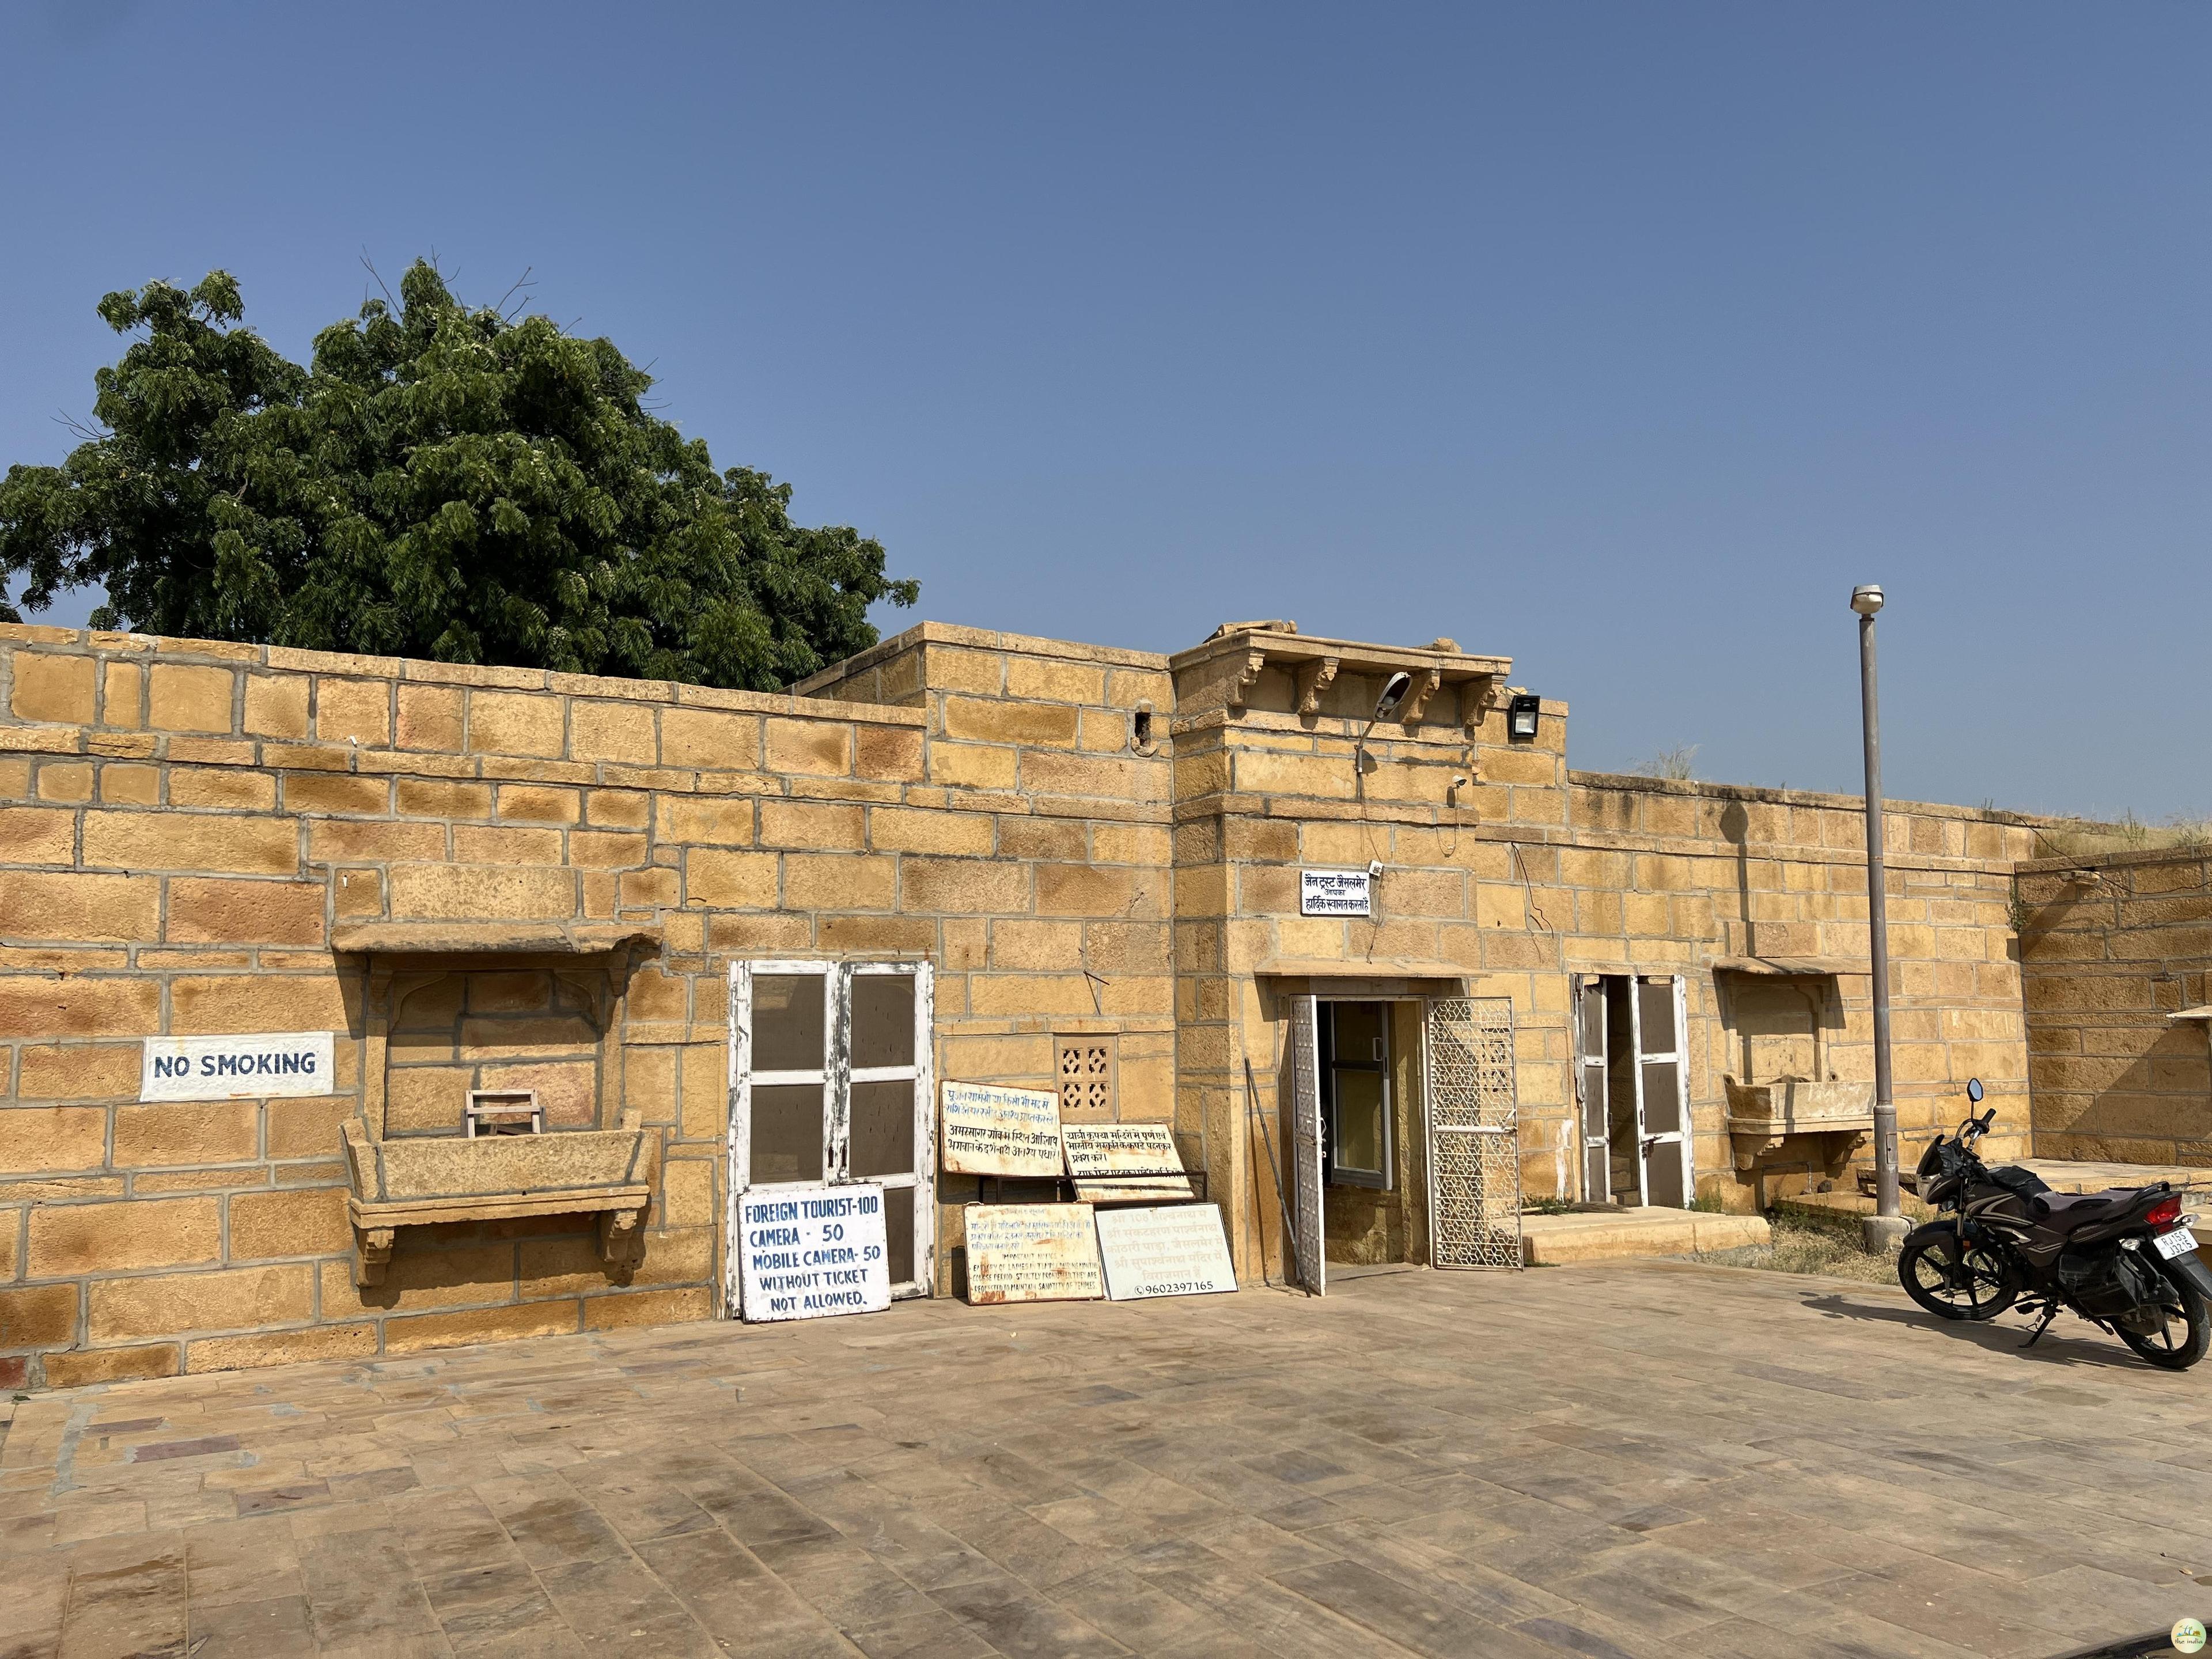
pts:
pixel 2068 1213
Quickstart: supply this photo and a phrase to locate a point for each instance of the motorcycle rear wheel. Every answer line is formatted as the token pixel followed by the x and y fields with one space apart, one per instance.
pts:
pixel 2184 1333
pixel 1988 1291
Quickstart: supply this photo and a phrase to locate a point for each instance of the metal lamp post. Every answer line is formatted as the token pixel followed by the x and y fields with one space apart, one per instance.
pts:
pixel 1884 1229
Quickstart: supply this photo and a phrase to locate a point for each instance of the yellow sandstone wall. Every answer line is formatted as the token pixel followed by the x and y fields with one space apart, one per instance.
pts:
pixel 2114 942
pixel 1092 846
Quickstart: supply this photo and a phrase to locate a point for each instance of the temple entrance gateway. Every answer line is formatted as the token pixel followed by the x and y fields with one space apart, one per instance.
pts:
pixel 1403 1134
pixel 831 1081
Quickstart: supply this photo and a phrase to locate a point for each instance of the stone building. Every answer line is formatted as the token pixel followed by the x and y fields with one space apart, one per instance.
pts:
pixel 723 939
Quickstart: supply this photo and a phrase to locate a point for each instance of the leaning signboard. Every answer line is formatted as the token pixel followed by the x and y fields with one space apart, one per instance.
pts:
pixel 1106 1158
pixel 1032 1253
pixel 810 1252
pixel 1002 1132
pixel 1177 1250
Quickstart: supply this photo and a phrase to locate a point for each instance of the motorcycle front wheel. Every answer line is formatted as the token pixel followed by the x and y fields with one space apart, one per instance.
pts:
pixel 1982 1288
pixel 2179 1329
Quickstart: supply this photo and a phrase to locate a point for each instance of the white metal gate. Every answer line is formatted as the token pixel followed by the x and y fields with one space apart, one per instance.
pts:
pixel 1474 1132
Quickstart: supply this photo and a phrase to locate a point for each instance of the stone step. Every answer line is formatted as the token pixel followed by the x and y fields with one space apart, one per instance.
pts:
pixel 1617 1234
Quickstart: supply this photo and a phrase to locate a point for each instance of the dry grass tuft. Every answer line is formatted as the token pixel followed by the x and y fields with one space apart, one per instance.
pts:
pixel 1806 1247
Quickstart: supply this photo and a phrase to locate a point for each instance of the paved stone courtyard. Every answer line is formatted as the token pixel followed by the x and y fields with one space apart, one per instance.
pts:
pixel 1642 1460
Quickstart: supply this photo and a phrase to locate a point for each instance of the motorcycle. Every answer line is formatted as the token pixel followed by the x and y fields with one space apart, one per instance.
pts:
pixel 2124 1260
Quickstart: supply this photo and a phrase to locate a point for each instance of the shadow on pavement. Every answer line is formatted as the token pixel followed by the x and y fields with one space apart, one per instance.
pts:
pixel 2093 1348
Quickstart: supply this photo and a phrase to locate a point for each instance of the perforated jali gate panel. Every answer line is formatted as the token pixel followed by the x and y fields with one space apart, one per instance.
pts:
pixel 1474 1137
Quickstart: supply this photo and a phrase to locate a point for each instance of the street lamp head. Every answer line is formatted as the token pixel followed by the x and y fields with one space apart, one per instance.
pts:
pixel 1866 599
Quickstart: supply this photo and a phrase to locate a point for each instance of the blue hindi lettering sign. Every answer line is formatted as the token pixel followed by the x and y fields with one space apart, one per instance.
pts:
pixel 812 1252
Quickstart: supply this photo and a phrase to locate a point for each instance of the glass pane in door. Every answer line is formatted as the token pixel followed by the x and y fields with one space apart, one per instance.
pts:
pixel 1654 1014
pixel 882 1141
pixel 787 1024
pixel 1663 1096
pixel 882 1020
pixel 1360 1121
pixel 1594 1101
pixel 786 1130
pixel 1662 1176
pixel 898 1232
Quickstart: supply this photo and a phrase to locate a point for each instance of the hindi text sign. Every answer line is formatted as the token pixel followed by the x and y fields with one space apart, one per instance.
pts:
pixel 810 1252
pixel 1177 1250
pixel 1004 1131
pixel 1334 893
pixel 1098 1150
pixel 250 1067
pixel 1032 1253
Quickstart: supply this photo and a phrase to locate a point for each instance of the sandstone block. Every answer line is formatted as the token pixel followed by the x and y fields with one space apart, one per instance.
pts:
pixel 56 689
pixel 538 803
pixel 1082 889
pixel 298 1221
pixel 205 911
pixel 875 935
pixel 161 1232
pixel 476 844
pixel 35 834
pixel 494 1324
pixel 189 699
pixel 618 1310
pixel 647 889
pixel 817 826
pixel 37 1317
pixel 226 789
pixel 227 1353
pixel 571 1266
pixel 64 783
pixel 746 880
pixel 170 841
pixel 890 753
pixel 1131 843
pixel 336 792
pixel 444 891
pixel 617 809
pixel 123 785
pixel 259 1002
pixel 709 739
pixel 620 731
pixel 79 1071
pixel 973 765
pixel 432 718
pixel 38 1007
pixel 80 908
pixel 963 886
pixel 354 840
pixel 904 830
pixel 823 748
pixel 952 669
pixel 176 1134
pixel 566 1090
pixel 121 695
pixel 839 882
pixel 75 1369
pixel 52 1140
pixel 228 1299
pixel 277 705
pixel 517 723
pixel 978 720
pixel 1031 839
pixel 354 711
pixel 1044 680
pixel 706 820
pixel 442 798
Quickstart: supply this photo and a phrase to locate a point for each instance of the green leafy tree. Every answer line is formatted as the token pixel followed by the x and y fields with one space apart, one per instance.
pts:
pixel 441 481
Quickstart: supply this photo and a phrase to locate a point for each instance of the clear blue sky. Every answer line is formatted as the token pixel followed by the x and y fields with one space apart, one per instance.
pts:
pixel 1623 338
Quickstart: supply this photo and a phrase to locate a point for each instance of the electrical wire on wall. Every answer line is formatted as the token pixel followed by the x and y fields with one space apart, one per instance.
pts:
pixel 1529 907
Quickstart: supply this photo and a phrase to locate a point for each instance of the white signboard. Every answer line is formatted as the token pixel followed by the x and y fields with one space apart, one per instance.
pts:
pixel 1004 1131
pixel 1334 893
pixel 810 1252
pixel 1032 1253
pixel 1095 1149
pixel 237 1067
pixel 1176 1251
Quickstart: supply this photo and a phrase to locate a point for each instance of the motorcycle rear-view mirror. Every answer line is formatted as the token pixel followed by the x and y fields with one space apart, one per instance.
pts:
pixel 1974 1089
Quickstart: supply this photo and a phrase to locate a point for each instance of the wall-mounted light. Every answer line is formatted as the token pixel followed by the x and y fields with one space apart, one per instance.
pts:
pixel 1522 716
pixel 1394 693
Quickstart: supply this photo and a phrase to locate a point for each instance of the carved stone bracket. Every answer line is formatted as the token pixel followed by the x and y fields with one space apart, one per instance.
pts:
pixel 1244 676
pixel 372 1254
pixel 1477 698
pixel 1417 700
pixel 1313 678
pixel 618 1238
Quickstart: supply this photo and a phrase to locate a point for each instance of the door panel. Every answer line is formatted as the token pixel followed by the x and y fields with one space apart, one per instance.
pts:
pixel 1474 1135
pixel 1305 1138
pixel 1591 1078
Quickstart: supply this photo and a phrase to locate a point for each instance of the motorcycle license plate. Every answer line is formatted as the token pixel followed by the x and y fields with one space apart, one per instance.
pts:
pixel 2179 1242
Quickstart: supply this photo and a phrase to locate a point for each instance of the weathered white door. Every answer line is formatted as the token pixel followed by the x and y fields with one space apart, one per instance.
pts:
pixel 1592 1078
pixel 1662 1117
pixel 1304 1138
pixel 831 1079
pixel 1474 1132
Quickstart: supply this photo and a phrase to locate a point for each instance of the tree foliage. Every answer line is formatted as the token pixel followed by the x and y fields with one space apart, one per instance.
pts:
pixel 440 481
